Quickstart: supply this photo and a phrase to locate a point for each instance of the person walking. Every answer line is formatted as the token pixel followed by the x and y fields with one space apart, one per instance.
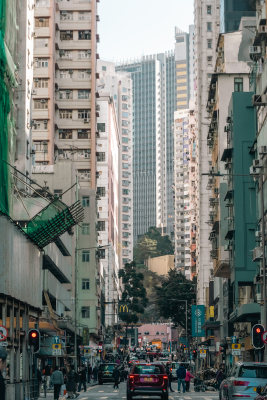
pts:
pixel 71 383
pixel 89 373
pixel 188 378
pixel 169 373
pixel 116 377
pixel 57 380
pixel 3 357
pixel 220 376
pixel 95 373
pixel 82 379
pixel 181 374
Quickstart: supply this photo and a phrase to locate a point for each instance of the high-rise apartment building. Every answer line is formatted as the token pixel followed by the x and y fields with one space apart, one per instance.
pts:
pixel 207 22
pixel 119 86
pixel 154 102
pixel 64 128
pixel 231 12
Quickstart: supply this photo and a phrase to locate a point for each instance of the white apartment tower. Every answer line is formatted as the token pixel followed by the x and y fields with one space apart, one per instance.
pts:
pixel 207 24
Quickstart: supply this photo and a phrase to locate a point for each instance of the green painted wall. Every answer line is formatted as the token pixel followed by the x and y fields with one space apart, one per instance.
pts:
pixel 244 199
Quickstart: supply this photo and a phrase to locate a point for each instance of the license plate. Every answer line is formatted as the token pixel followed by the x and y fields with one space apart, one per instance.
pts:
pixel 148 379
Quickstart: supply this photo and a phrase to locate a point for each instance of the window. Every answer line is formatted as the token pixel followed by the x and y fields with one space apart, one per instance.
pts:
pixel 66 35
pixel 65 54
pixel 209 43
pixel 86 201
pixel 125 140
pixel 40 83
pixel 101 253
pixel 84 174
pixel 66 16
pixel 125 243
pixel 124 98
pixel 124 123
pixel 104 68
pixel 41 62
pixel 64 74
pixel 84 73
pixel 125 114
pixel 83 94
pixel 125 191
pixel 101 226
pixel 65 114
pixel 84 54
pixel 125 234
pixel 84 16
pixel 65 94
pixel 85 284
pixel 84 35
pixel 238 84
pixel 65 134
pixel 209 58
pixel 41 22
pixel 85 256
pixel 58 193
pixel 125 148
pixel 40 104
pixel 125 226
pixel 209 10
pixel 101 156
pixel 209 26
pixel 85 311
pixel 101 191
pixel 83 134
pixel 101 127
pixel 84 114
pixel 85 229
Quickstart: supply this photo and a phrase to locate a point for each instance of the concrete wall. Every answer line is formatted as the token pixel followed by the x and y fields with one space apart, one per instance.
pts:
pixel 161 265
pixel 20 265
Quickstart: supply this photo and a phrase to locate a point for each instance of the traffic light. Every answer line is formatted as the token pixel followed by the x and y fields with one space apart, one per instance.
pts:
pixel 257 331
pixel 34 339
pixel 194 354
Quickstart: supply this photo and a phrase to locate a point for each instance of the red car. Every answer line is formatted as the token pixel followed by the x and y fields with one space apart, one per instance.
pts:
pixel 147 380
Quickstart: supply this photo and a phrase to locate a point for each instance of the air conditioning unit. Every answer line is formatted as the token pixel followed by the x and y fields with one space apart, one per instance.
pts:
pixel 259 100
pixel 257 254
pixel 253 170
pixel 254 50
pixel 257 163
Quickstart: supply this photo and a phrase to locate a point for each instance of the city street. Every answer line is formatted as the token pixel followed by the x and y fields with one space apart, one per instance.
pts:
pixel 106 392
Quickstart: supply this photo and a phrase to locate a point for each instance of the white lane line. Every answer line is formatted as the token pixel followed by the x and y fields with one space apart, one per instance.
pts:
pixel 101 391
pixel 103 398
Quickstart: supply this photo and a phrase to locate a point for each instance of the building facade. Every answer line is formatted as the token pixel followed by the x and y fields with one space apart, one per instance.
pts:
pixel 231 12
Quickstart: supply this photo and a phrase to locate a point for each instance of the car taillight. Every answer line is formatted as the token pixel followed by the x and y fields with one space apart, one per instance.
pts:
pixel 165 376
pixel 171 369
pixel 241 383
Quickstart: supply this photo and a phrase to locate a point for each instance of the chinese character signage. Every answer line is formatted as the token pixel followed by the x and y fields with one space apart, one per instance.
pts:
pixel 198 320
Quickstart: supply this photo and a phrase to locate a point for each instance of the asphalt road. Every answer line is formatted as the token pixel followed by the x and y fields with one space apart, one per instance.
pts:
pixel 106 392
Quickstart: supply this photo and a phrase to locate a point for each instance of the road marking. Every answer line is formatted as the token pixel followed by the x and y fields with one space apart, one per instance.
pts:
pixel 103 398
pixel 101 391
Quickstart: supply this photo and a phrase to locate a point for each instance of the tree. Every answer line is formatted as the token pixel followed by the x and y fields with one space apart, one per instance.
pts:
pixel 152 244
pixel 171 298
pixel 134 293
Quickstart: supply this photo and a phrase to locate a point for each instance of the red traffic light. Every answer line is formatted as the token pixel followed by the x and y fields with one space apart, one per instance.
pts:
pixel 33 334
pixel 258 330
pixel 34 340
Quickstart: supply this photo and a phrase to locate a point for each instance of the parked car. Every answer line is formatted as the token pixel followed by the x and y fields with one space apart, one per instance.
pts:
pixel 243 380
pixel 105 373
pixel 147 380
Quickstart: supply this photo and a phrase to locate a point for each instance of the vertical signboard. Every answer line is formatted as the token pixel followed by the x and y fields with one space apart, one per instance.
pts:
pixel 198 320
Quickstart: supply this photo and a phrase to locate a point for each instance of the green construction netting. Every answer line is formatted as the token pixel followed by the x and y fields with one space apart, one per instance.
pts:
pixel 53 221
pixel 4 111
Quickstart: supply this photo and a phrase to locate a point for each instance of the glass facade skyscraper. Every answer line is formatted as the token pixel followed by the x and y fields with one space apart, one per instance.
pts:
pixel 231 12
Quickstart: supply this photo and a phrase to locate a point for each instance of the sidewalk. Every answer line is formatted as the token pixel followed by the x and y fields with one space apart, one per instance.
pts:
pixel 50 393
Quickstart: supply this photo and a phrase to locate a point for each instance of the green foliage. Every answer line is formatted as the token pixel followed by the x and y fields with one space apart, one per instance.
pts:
pixel 174 290
pixel 151 281
pixel 134 293
pixel 152 244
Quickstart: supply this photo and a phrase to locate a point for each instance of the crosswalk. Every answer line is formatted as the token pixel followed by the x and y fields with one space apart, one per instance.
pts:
pixel 195 396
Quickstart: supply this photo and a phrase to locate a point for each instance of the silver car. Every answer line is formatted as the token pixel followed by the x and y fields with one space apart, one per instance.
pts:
pixel 243 380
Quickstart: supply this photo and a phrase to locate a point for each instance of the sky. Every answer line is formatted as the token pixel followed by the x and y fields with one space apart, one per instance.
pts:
pixel 132 28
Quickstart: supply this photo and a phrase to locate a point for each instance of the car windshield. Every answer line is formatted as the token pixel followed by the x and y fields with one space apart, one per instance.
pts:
pixel 253 372
pixel 108 367
pixel 148 369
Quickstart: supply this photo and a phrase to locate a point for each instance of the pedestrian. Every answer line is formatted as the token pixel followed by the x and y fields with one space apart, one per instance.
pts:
pixel 3 357
pixel 89 372
pixel 188 378
pixel 95 373
pixel 116 377
pixel 82 379
pixel 57 380
pixel 71 383
pixel 220 376
pixel 181 374
pixel 169 373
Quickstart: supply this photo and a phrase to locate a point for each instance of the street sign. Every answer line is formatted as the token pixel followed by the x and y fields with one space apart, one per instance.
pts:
pixel 56 346
pixel 236 349
pixel 3 344
pixel 56 339
pixel 264 337
pixel 3 333
pixel 202 353
pixel 56 352
pixel 233 339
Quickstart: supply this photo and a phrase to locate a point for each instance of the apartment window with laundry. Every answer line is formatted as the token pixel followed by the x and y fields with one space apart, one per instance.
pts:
pixel 209 9
pixel 85 311
pixel 85 201
pixel 85 256
pixel 85 284
pixel 238 83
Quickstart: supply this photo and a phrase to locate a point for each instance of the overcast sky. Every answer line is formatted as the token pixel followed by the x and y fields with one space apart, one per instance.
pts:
pixel 132 28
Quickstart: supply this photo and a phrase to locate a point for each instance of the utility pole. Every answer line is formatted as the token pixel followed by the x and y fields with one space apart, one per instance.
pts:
pixel 75 285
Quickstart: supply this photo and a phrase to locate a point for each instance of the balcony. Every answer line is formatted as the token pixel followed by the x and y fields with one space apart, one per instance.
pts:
pixel 40 135
pixel 74 83
pixel 41 51
pixel 42 32
pixel 40 114
pixel 74 6
pixel 222 265
pixel 41 12
pixel 74 44
pixel 73 103
pixel 257 254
